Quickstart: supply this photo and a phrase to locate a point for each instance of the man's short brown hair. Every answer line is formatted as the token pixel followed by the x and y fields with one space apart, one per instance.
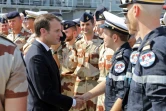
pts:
pixel 123 37
pixel 43 21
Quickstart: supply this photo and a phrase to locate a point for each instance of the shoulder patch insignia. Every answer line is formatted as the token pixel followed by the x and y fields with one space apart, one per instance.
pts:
pixel 147 58
pixel 134 57
pixel 119 67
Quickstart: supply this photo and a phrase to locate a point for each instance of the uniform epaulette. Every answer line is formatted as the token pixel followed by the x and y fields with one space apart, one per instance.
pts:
pixel 119 55
pixel 139 41
pixel 7 40
pixel 137 44
pixel 100 38
pixel 147 46
pixel 63 43
pixel 101 44
pixel 78 38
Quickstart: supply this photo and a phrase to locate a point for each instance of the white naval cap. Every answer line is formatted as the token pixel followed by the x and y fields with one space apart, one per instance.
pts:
pixel 32 14
pixel 164 19
pixel 114 22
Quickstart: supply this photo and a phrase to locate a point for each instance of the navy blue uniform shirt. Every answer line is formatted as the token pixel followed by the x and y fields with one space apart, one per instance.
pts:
pixel 115 79
pixel 148 84
pixel 133 59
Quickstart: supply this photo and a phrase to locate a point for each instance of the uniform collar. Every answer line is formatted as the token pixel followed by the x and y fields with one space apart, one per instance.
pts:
pixel 94 39
pixel 154 33
pixel 122 47
pixel 69 46
pixel 21 32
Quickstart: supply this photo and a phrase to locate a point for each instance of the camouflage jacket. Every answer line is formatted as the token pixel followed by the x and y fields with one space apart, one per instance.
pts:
pixel 105 57
pixel 13 72
pixel 87 57
pixel 28 43
pixel 67 58
pixel 19 39
pixel 4 35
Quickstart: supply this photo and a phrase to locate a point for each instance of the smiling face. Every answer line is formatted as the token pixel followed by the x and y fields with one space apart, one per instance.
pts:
pixel 87 27
pixel 108 41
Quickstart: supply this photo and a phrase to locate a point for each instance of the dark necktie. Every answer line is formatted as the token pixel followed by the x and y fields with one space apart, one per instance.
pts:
pixel 49 52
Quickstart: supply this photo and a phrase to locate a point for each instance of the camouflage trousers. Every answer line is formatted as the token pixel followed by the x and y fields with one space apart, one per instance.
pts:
pixel 101 98
pixel 82 87
pixel 67 85
pixel 100 103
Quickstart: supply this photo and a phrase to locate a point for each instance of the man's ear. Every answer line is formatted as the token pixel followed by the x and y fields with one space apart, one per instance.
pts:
pixel 75 33
pixel 115 37
pixel 43 31
pixel 136 10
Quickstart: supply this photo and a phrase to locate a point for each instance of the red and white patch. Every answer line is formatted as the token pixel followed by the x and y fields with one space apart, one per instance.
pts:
pixel 146 59
pixel 134 57
pixel 119 67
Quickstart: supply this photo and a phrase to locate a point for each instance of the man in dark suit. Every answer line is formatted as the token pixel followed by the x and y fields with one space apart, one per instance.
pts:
pixel 43 73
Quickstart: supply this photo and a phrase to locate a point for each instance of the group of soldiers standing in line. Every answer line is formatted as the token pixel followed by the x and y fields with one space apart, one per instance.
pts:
pixel 96 56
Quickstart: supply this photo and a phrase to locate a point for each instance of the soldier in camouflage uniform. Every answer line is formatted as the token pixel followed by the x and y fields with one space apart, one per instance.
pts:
pixel 4 27
pixel 87 70
pixel 14 86
pixel 115 37
pixel 67 58
pixel 18 34
pixel 104 56
pixel 30 18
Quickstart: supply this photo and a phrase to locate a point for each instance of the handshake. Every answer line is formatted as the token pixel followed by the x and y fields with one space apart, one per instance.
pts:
pixel 80 100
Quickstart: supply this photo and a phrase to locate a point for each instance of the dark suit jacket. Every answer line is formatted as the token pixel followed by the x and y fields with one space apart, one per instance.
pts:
pixel 44 81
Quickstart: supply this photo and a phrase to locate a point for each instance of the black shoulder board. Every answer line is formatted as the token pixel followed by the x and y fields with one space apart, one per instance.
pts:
pixel 119 55
pixel 136 46
pixel 101 43
pixel 78 38
pixel 147 46
pixel 7 40
pixel 63 43
pixel 100 38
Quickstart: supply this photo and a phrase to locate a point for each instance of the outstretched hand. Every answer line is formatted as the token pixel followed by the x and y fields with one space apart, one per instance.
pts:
pixel 79 103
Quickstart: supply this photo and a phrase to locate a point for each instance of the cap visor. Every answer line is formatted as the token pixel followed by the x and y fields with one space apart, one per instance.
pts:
pixel 121 13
